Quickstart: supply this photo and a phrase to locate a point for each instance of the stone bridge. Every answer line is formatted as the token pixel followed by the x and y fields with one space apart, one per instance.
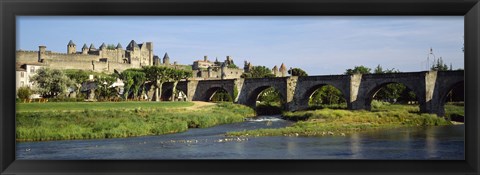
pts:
pixel 431 88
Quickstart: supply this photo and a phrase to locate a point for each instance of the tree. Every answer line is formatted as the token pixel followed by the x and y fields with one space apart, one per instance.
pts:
pixel 139 78
pixel 378 70
pixel 50 82
pixel 176 76
pixel 270 96
pixel 390 92
pixel 439 66
pixel 111 47
pixel 127 77
pixel 258 72
pixel 358 70
pixel 104 83
pixel 297 72
pixel 326 95
pixel 24 93
pixel 77 77
pixel 232 65
pixel 157 75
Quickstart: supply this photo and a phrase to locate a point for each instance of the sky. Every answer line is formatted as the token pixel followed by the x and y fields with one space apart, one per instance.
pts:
pixel 320 45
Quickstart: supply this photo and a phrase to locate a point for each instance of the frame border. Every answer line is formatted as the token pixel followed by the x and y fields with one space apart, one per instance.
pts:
pixel 470 9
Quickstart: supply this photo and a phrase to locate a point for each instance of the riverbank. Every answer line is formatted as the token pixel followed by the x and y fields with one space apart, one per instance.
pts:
pixel 96 120
pixel 342 122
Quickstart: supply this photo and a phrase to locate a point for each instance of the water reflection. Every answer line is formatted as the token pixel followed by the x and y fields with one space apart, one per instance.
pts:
pixel 355 146
pixel 446 142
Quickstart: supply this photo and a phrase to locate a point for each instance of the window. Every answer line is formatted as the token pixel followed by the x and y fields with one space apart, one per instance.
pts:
pixel 32 69
pixel 22 74
pixel 22 83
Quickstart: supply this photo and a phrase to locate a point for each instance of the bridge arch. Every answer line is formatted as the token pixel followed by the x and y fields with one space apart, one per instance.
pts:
pixel 254 94
pixel 309 92
pixel 443 95
pixel 373 90
pixel 209 93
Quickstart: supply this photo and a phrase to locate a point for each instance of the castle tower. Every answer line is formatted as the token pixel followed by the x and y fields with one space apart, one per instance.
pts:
pixel 149 46
pixel 84 49
pixel 119 46
pixel 283 70
pixel 92 48
pixel 166 59
pixel 275 70
pixel 247 67
pixel 103 47
pixel 120 54
pixel 223 75
pixel 135 54
pixel 71 48
pixel 41 53
pixel 133 46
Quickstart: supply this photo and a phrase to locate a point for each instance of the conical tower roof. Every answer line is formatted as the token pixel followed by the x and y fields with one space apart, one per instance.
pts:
pixel 70 43
pixel 132 45
pixel 103 46
pixel 119 46
pixel 166 56
pixel 275 68
pixel 282 67
pixel 92 47
pixel 84 46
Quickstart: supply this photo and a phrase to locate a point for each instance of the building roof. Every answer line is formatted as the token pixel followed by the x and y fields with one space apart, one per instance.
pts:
pixel 84 46
pixel 132 45
pixel 92 46
pixel 283 68
pixel 20 67
pixel 103 46
pixel 119 46
pixel 166 56
pixel 71 43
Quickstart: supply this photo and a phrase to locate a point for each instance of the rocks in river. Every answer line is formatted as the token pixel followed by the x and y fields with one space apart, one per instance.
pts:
pixel 231 139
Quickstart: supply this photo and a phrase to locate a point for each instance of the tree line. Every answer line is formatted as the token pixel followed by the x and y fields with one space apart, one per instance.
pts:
pixel 55 83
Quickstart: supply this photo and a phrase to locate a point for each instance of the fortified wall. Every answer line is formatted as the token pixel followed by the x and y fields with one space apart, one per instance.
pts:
pixel 104 59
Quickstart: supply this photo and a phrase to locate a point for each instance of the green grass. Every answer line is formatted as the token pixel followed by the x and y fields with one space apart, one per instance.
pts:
pixel 115 123
pixel 341 122
pixel 80 106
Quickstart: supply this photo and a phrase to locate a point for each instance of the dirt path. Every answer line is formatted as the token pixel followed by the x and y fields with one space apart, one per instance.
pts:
pixel 197 105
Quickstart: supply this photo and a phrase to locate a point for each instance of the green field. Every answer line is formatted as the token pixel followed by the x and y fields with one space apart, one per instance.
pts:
pixel 80 106
pixel 102 120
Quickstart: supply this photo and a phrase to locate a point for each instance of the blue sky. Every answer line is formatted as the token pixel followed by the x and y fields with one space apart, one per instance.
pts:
pixel 321 45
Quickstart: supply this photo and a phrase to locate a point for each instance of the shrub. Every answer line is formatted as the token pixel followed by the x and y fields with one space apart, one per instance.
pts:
pixel 24 93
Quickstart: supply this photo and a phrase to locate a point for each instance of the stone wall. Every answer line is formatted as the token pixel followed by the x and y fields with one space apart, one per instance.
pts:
pixel 26 56
pixel 69 64
pixel 68 57
pixel 116 55
pixel 119 66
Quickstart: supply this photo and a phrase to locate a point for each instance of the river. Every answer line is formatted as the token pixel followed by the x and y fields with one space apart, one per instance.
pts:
pixel 439 142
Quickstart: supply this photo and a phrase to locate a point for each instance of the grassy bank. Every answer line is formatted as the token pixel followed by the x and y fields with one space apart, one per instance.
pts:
pixel 341 122
pixel 80 106
pixel 99 122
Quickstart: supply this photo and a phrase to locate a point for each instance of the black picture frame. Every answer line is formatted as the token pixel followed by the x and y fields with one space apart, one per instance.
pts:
pixel 470 9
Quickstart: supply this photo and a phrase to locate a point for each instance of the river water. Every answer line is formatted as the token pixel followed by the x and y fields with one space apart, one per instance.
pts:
pixel 440 142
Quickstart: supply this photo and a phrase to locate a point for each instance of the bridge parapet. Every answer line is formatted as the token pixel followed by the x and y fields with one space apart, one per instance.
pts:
pixel 430 87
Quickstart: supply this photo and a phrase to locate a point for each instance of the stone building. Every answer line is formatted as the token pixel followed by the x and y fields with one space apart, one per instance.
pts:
pixel 103 59
pixel 280 72
pixel 206 69
pixel 23 74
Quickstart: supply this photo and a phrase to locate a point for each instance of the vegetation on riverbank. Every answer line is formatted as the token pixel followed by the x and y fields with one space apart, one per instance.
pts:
pixel 341 122
pixel 80 106
pixel 141 120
